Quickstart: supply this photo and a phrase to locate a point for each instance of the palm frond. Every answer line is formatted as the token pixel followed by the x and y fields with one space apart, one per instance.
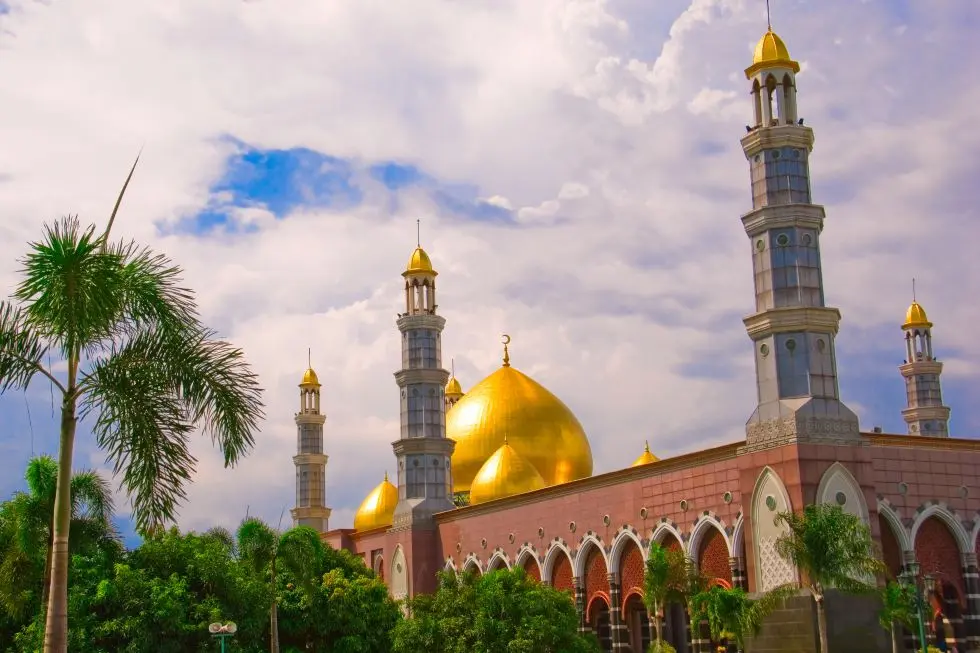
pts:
pixel 256 543
pixel 91 496
pixel 301 552
pixel 42 477
pixel 21 350
pixel 122 192
pixel 71 287
pixel 142 425
pixel 222 535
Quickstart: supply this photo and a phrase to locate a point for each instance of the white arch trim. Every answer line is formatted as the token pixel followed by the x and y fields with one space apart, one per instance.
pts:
pixel 623 538
pixel 943 513
pixel 666 528
pixel 975 532
pixel 472 562
pixel 738 537
pixel 526 553
pixel 700 531
pixel 837 471
pixel 582 555
pixel 898 529
pixel 498 561
pixel 550 559
pixel 450 566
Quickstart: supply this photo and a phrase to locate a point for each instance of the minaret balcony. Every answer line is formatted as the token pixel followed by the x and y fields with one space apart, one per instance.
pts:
pixel 921 367
pixel 421 321
pixel 778 216
pixel 795 319
pixel 765 138
pixel 310 459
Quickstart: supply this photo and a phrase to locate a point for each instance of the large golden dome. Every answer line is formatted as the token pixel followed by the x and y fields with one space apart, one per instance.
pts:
pixel 509 404
pixel 504 474
pixel 378 508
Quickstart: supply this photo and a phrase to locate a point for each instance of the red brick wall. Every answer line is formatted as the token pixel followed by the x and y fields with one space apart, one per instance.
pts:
pixel 938 554
pixel 891 552
pixel 713 559
pixel 596 576
pixel 595 606
pixel 631 570
pixel 561 577
pixel 670 542
pixel 532 568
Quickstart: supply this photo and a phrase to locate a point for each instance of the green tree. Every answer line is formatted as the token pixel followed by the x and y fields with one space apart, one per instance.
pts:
pixel 897 608
pixel 501 612
pixel 138 362
pixel 732 613
pixel 30 514
pixel 832 549
pixel 298 550
pixel 664 578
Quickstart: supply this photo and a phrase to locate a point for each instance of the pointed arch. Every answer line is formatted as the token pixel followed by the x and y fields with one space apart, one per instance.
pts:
pixel 582 555
pixel 558 547
pixel 769 498
pixel 472 563
pixel 838 482
pixel 620 542
pixel 738 537
pixel 450 566
pixel 706 521
pixel 527 555
pixel 400 580
pixel 948 517
pixel 662 530
pixel 498 561
pixel 891 516
pixel 975 531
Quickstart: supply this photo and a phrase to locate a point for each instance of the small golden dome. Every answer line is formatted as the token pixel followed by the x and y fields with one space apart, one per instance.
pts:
pixel 453 388
pixel 770 51
pixel 504 474
pixel 916 317
pixel 646 457
pixel 310 378
pixel 510 405
pixel 378 508
pixel 419 263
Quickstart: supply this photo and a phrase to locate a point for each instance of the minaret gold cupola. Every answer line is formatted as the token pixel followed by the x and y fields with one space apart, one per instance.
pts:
pixel 773 77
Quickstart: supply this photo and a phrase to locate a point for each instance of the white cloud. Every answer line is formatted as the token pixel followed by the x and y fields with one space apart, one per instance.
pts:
pixel 623 294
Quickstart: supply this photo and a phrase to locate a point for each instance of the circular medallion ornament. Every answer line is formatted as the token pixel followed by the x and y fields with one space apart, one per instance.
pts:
pixel 727 497
pixel 841 498
pixel 771 503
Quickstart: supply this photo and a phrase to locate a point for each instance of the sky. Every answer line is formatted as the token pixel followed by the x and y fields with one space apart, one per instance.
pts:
pixel 576 169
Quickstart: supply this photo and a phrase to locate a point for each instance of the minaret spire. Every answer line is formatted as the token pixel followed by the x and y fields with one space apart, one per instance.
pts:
pixel 418 232
pixel 768 17
pixel 925 413
pixel 792 328
pixel 505 339
pixel 310 461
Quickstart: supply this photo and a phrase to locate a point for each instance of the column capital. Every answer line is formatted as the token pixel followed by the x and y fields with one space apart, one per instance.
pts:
pixel 969 559
pixel 613 579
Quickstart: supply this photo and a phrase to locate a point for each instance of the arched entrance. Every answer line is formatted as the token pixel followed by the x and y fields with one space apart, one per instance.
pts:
pixel 637 623
pixel 598 620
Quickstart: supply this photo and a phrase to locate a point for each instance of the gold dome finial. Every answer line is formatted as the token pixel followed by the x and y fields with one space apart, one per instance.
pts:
pixel 505 339
pixel 770 52
pixel 453 388
pixel 646 457
pixel 309 377
pixel 915 317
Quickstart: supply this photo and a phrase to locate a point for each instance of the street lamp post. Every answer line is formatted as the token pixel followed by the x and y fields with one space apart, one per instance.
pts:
pixel 222 632
pixel 920 603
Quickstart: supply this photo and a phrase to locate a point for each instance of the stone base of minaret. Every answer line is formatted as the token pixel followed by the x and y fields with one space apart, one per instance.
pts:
pixel 414 512
pixel 314 517
pixel 804 420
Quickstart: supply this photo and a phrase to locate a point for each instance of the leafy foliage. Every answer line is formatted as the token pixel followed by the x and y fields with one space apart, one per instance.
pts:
pixel 502 612
pixel 732 613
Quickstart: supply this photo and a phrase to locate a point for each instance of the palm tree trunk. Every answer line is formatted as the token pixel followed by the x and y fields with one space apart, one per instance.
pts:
pixel 822 624
pixel 894 639
pixel 274 615
pixel 46 587
pixel 658 625
pixel 56 622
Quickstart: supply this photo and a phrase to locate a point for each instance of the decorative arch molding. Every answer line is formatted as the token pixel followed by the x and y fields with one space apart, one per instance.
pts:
pixel 665 528
pixel 623 537
pixel 581 559
pixel 947 516
pixel 399 574
pixel 557 548
pixel 450 566
pixel 738 536
pixel 498 561
pixel 472 563
pixel 838 482
pixel 706 521
pixel 769 498
pixel 890 515
pixel 975 531
pixel 525 553
pixel 598 596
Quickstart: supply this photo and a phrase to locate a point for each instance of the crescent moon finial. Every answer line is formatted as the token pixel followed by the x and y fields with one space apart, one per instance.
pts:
pixel 506 340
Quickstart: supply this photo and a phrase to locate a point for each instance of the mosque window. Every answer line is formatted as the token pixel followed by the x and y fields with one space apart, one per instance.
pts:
pixel 793 367
pixel 780 177
pixel 795 268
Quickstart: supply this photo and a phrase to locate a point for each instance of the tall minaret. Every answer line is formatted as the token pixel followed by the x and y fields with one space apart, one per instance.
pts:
pixel 310 461
pixel 792 330
pixel 926 414
pixel 423 451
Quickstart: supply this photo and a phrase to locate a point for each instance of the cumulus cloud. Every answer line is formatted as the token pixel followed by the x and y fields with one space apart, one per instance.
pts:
pixel 603 137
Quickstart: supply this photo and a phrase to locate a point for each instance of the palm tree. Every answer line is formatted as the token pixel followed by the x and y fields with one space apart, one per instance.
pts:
pixel 832 549
pixel 298 550
pixel 898 607
pixel 137 361
pixel 731 612
pixel 666 571
pixel 31 513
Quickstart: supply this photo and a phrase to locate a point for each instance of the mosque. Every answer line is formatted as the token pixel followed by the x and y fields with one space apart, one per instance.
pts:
pixel 501 476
